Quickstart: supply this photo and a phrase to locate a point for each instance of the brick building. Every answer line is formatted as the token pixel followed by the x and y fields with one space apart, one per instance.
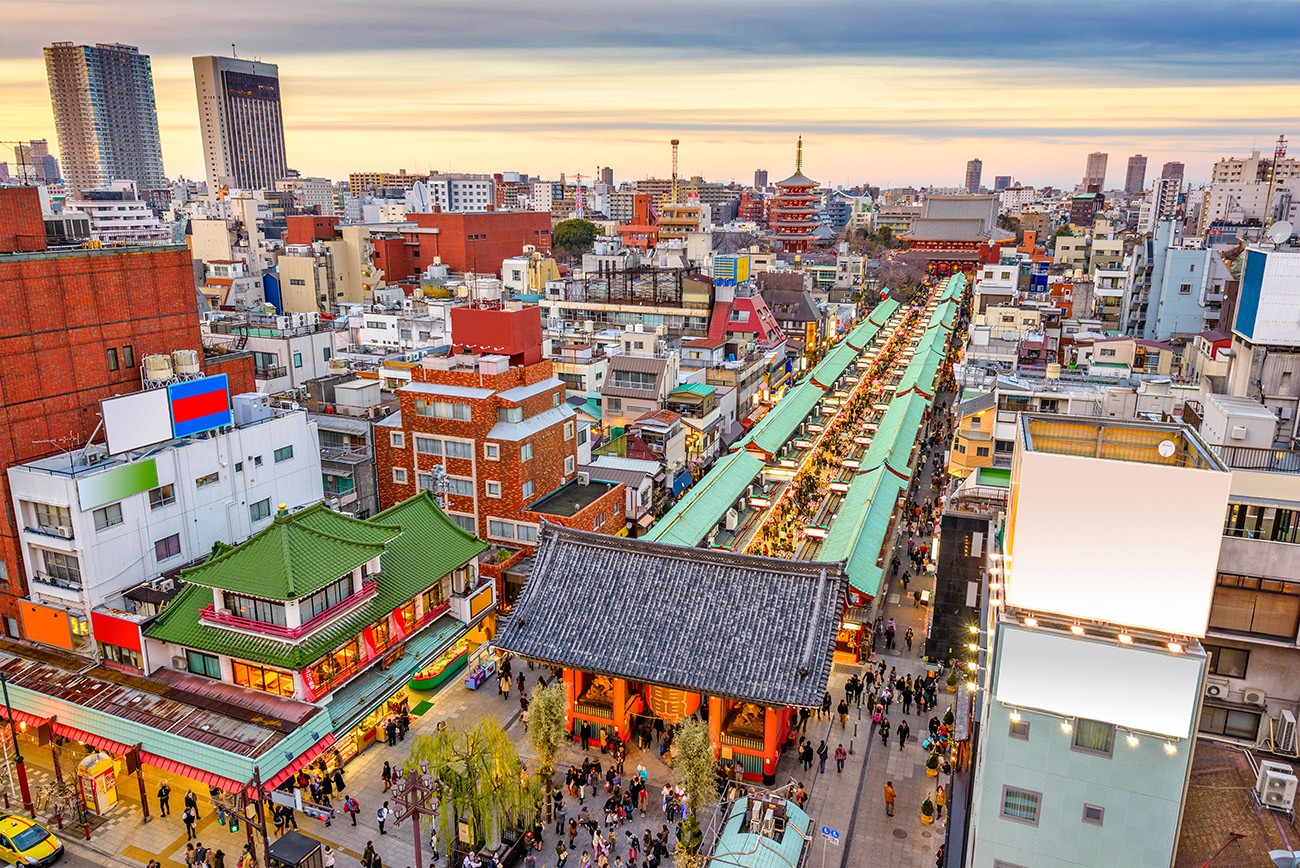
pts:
pixel 494 416
pixel 472 241
pixel 76 326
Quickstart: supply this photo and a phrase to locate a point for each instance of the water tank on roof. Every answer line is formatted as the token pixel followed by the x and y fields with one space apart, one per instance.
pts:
pixel 1053 371
pixel 185 362
pixel 158 368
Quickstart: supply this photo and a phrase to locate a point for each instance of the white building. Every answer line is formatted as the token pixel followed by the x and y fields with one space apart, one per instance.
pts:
pixel 1093 671
pixel 309 193
pixel 240 121
pixel 462 192
pixel 117 214
pixel 95 525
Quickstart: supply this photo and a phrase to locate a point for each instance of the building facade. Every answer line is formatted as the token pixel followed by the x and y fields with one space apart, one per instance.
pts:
pixel 241 122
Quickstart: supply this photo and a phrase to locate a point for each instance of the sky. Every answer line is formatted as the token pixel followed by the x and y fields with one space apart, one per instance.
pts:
pixel 882 93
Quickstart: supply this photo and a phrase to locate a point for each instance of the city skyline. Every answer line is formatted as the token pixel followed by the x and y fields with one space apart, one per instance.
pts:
pixel 560 92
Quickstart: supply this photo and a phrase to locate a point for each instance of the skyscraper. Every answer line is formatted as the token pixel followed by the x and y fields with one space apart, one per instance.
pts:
pixel 1094 177
pixel 105 115
pixel 974 168
pixel 1173 170
pixel 1001 182
pixel 241 122
pixel 35 164
pixel 760 179
pixel 1135 178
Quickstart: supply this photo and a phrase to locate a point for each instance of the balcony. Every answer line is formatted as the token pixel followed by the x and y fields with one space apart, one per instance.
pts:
pixel 66 584
pixel 272 373
pixel 210 615
pixel 59 533
pixel 1254 458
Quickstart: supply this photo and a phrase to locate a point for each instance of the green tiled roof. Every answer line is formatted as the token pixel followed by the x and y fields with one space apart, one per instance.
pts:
pixel 704 504
pixel 296 555
pixel 836 361
pixel 774 429
pixel 425 545
pixel 858 534
pixel 883 311
pixel 695 389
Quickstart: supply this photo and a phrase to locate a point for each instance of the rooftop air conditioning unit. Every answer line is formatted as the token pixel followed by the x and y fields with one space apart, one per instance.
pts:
pixel 584 478
pixel 732 519
pixel 178 662
pixel 65 531
pixel 1238 432
pixel 1253 696
pixel 1216 688
pixel 1276 787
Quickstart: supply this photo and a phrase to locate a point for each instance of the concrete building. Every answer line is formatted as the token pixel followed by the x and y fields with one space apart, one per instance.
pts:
pixel 287 350
pixel 1265 336
pixel 974 168
pixel 96 525
pixel 1090 683
pixel 760 179
pixel 34 164
pixel 118 215
pixel 1135 175
pixel 1094 175
pixel 1172 171
pixel 241 122
pixel 315 195
pixel 462 193
pixel 105 115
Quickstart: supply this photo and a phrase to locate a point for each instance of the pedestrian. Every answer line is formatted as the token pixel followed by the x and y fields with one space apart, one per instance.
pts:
pixel 504 684
pixel 561 854
pixel 338 780
pixel 826 705
pixel 164 799
pixel 368 855
pixel 940 799
pixel 351 807
pixel 585 735
pixel 192 802
pixel 382 817
pixel 889 798
pixel 884 731
pixel 908 637
pixel 807 755
pixel 188 817
pixel 940 856
pixel 390 731
pixel 840 757
pixel 200 855
pixel 387 775
pixel 916 599
pixel 903 732
pixel 822 753
pixel 843 709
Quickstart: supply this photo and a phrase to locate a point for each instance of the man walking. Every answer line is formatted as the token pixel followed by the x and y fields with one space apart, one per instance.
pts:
pixel 840 757
pixel 382 817
pixel 889 798
pixel 903 732
pixel 350 807
pixel 843 709
pixel 188 817
pixel 164 799
pixel 822 753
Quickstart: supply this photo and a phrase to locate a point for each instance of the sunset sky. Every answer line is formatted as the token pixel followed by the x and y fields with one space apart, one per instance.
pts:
pixel 896 93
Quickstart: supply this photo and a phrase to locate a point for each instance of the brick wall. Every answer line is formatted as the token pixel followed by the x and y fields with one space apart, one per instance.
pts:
pixel 22 228
pixel 497 236
pixel 306 228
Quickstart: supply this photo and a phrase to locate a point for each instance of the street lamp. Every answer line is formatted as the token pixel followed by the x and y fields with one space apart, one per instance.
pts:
pixel 18 756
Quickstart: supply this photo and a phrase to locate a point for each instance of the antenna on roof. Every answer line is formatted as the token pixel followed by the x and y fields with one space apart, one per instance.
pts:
pixel 798 156
pixel 232 50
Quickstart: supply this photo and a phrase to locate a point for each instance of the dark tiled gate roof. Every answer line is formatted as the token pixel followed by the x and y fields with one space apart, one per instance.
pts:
pixel 712 622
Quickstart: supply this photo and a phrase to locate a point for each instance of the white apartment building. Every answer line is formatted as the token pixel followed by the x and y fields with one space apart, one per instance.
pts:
pixel 287 350
pixel 118 215
pixel 315 193
pixel 95 525
pixel 462 193
pixel 1091 679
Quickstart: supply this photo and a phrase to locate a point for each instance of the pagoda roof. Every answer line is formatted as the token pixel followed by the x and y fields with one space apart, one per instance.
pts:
pixel 708 621
pixel 797 180
pixel 296 555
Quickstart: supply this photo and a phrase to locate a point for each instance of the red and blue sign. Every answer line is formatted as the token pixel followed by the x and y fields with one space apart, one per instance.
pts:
pixel 200 405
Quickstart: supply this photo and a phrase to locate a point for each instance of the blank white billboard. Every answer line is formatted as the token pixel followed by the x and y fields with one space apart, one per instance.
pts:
pixel 1127 685
pixel 1117 541
pixel 137 420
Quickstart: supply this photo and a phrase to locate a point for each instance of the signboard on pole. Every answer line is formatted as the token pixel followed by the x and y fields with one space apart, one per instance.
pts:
pixel 832 836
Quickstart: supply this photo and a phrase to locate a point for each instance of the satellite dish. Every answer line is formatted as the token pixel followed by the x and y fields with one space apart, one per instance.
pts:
pixel 421 202
pixel 1280 231
pixel 1166 448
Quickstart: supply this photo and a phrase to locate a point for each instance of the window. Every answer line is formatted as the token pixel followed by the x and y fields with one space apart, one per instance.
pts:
pixel 257 460
pixel 260 510
pixel 432 598
pixel 527 490
pixel 379 634
pixel 167 547
pixel 1230 722
pixel 260 678
pixel 239 467
pixel 108 516
pixel 399 475
pixel 527 533
pixel 1021 805
pixel 1262 522
pixel 50 518
pixel 493 489
pixel 981 452
pixel 1106 352
pixel 331 595
pixel 284 453
pixel 397 439
pixel 297 360
pixel 462 487
pixel 341 661
pixel 62 567
pixel 163 495
pixel 1094 737
pixel 255 609
pixel 1020 729
pixel 206 480
pixel 568 430
pixel 526 452
pixel 491 451
pixel 121 656
pixel 510 414
pixel 456 449
pixel 582 435
pixel 464 522
pixel 1228 662
pixel 568 465
pixel 427 445
pixel 1245 604
pixel 203 664
pixel 1093 814
pixel 128 356
pixel 325 354
pixel 110 356
pixel 632 379
pixel 443 410
pixel 501 529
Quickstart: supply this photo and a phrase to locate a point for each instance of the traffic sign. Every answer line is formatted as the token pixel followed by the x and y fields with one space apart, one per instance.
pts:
pixel 831 835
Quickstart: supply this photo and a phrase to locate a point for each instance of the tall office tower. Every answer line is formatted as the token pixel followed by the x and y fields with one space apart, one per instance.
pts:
pixel 1173 170
pixel 1135 179
pixel 1090 682
pixel 105 115
pixel 607 176
pixel 760 179
pixel 1001 182
pixel 974 168
pixel 241 122
pixel 1094 177
pixel 34 164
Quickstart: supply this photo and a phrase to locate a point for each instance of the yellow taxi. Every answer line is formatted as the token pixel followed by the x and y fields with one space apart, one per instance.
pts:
pixel 23 842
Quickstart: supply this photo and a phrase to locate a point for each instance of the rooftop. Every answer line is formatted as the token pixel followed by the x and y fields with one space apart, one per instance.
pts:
pixel 689 618
pixel 1117 440
pixel 572 498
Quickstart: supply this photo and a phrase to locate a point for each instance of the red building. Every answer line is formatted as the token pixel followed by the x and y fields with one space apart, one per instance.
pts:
pixel 77 325
pixel 502 433
pixel 476 242
pixel 306 228
pixel 751 207
pixel 643 232
pixel 790 212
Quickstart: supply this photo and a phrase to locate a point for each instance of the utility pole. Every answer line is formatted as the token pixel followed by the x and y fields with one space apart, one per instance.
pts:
pixel 18 755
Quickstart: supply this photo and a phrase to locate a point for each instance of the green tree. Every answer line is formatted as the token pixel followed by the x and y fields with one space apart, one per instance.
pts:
pixel 481 780
pixel 697 764
pixel 574 237
pixel 546 725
